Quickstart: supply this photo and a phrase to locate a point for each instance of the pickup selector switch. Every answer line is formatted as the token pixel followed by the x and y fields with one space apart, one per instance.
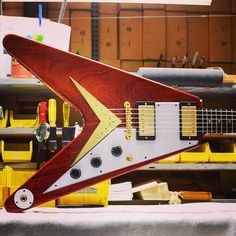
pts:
pixel 96 162
pixel 116 151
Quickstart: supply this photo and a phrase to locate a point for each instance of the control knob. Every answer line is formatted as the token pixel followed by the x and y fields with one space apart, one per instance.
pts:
pixel 116 151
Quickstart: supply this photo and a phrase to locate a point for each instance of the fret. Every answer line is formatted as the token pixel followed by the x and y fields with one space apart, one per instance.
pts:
pixel 214 121
pixel 221 130
pixel 211 120
pixel 226 121
pixel 207 121
pixel 203 121
pixel 229 121
pixel 232 121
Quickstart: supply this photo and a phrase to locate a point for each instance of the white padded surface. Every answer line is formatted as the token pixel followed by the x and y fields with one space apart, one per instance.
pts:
pixel 193 219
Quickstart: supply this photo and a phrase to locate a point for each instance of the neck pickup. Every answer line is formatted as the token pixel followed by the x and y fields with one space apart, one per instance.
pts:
pixel 188 121
pixel 146 121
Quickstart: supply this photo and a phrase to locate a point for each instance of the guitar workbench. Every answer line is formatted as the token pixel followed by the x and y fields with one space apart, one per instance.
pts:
pixel 193 219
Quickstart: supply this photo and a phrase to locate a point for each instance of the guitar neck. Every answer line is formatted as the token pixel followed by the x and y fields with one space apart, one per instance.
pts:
pixel 214 121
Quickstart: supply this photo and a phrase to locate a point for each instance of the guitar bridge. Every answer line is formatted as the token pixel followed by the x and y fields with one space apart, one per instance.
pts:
pixel 188 121
pixel 146 121
pixel 128 119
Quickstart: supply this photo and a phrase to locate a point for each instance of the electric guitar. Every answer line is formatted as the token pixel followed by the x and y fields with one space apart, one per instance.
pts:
pixel 129 121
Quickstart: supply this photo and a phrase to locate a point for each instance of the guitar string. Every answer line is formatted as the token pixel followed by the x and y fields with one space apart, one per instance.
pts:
pixel 161 109
pixel 197 131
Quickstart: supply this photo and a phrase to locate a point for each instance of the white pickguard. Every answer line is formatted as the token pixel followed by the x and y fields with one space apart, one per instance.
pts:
pixel 167 141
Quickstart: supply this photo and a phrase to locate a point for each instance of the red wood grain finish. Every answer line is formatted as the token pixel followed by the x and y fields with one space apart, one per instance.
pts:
pixel 112 87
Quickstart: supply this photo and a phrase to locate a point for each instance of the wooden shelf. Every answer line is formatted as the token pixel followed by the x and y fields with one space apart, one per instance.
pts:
pixel 22 132
pixel 190 166
pixel 16 86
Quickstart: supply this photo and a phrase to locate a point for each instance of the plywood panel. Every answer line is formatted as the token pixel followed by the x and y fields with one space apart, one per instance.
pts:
pixel 234 38
pixel 108 8
pixel 233 6
pixel 153 63
pixel 220 6
pixel 13 12
pixel 220 39
pixel 154 34
pixel 227 67
pixel 79 5
pixel 130 6
pixel 131 66
pixel 176 35
pixel 234 69
pixel 204 9
pixel 81 33
pixel 172 7
pixel 12 5
pixel 54 6
pixel 54 15
pixel 114 63
pixel 108 37
pixel 153 6
pixel 198 36
pixel 131 33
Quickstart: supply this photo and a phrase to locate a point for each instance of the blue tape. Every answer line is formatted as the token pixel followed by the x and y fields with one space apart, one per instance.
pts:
pixel 40 13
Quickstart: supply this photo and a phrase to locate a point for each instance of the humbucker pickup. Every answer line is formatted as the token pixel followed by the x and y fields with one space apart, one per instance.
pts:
pixel 188 121
pixel 146 129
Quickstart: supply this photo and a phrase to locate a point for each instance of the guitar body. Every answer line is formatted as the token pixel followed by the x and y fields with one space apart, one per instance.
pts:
pixel 112 102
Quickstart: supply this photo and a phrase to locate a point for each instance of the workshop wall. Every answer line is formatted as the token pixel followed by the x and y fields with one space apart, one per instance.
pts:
pixel 134 35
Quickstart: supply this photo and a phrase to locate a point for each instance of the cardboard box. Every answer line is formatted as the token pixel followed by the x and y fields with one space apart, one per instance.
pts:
pixel 108 8
pixel 198 36
pixel 108 37
pixel 220 6
pixel 54 15
pixel 149 6
pixel 154 34
pixel 131 35
pixel 176 35
pixel 220 39
pixel 128 6
pixel 131 66
pixel 81 38
pixel 113 63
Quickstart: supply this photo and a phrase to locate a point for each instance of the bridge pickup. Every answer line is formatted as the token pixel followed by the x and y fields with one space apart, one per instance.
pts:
pixel 188 121
pixel 146 121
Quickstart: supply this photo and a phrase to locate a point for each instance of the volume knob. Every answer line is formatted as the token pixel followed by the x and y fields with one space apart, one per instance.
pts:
pixel 116 151
pixel 96 162
pixel 75 173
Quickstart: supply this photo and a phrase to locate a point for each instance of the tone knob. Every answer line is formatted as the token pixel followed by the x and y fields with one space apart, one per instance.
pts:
pixel 75 173
pixel 96 162
pixel 116 151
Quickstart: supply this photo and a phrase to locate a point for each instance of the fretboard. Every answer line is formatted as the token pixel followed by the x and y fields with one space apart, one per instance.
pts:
pixel 216 121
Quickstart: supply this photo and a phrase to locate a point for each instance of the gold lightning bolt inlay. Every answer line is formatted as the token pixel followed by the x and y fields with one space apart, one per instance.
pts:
pixel 108 121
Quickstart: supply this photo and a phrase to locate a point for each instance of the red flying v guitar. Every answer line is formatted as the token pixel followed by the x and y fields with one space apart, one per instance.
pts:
pixel 129 121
